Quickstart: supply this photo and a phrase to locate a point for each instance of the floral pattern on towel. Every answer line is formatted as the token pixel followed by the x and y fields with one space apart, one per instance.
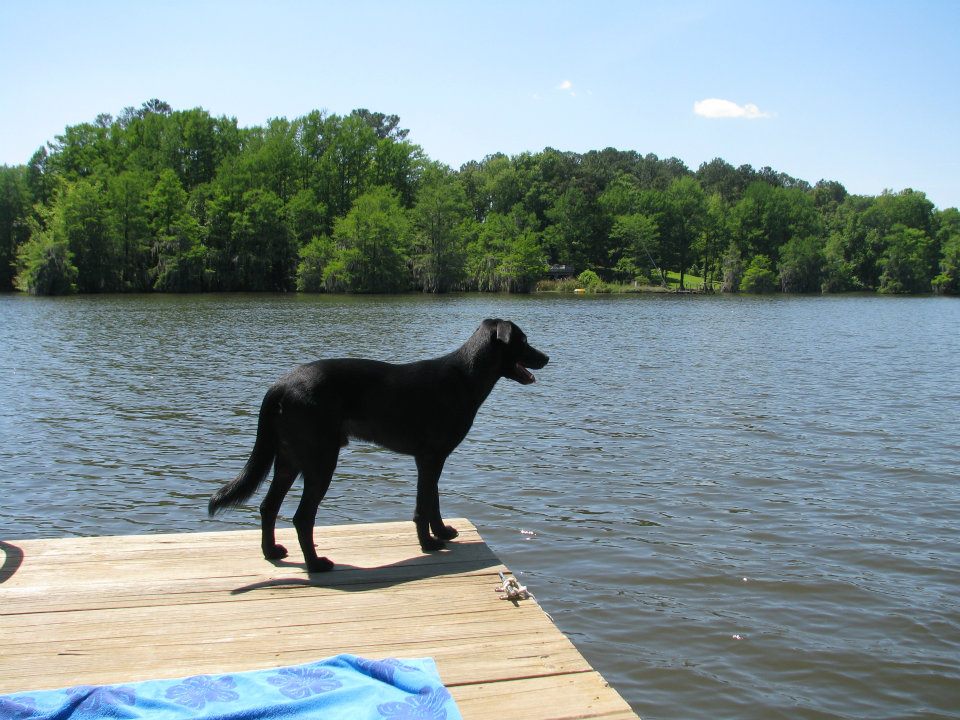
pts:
pixel 19 709
pixel 195 692
pixel 429 705
pixel 103 700
pixel 302 682
pixel 382 670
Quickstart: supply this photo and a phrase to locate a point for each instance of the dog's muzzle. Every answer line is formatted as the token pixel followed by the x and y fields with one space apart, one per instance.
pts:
pixel 531 359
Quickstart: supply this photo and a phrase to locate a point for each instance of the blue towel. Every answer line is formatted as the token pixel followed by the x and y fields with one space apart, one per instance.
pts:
pixel 344 686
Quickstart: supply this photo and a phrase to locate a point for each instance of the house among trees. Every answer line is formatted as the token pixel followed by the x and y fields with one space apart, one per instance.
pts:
pixel 561 272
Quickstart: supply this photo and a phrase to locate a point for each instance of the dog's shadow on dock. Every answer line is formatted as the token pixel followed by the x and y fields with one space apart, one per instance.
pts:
pixel 455 559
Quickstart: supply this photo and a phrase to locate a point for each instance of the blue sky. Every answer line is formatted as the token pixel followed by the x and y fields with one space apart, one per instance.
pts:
pixel 867 93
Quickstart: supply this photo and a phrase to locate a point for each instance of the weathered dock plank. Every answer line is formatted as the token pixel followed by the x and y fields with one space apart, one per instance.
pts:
pixel 121 609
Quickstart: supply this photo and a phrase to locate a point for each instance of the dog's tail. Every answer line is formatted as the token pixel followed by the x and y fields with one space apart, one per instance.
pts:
pixel 258 464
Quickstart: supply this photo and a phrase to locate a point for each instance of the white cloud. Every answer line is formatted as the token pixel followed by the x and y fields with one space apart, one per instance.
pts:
pixel 565 85
pixel 717 108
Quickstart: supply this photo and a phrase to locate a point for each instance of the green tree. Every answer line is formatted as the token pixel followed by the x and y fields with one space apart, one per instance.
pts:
pixel 801 265
pixel 580 235
pixel 272 159
pixel 372 246
pixel 82 151
pixel 384 126
pixel 622 196
pixel 589 281
pixel 640 222
pixel 178 250
pixel 128 225
pixel 759 276
pixel 865 223
pixel 523 265
pixel 346 166
pixel 496 184
pixel 732 268
pixel 41 178
pixel 266 249
pixel 948 236
pixel 720 177
pixel 905 261
pixel 546 176
pixel 687 215
pixel 14 214
pixel 855 241
pixel 151 139
pixel 909 208
pixel 86 222
pixel 767 216
pixel 167 203
pixel 948 281
pixel 314 257
pixel 44 262
pixel 485 248
pixel 181 258
pixel 203 143
pixel 306 215
pixel 439 232
pixel 713 239
pixel 636 235
pixel 947 224
pixel 315 141
pixel 398 165
pixel 218 210
pixel 828 195
pixel 505 255
pixel 839 273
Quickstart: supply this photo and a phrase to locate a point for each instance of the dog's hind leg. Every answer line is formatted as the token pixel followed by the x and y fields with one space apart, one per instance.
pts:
pixel 316 480
pixel 427 517
pixel 284 473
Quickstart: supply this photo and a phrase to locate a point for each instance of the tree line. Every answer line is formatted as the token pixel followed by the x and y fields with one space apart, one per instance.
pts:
pixel 181 201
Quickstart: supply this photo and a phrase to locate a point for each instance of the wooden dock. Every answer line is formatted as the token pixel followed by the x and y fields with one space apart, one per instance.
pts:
pixel 121 609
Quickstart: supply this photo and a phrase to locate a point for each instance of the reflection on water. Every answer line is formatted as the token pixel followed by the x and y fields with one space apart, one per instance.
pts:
pixel 735 507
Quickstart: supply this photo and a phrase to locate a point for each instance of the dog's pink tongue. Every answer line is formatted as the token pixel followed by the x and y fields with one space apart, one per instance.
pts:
pixel 525 374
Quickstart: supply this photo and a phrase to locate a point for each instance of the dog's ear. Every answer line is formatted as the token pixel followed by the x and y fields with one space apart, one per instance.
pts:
pixel 504 331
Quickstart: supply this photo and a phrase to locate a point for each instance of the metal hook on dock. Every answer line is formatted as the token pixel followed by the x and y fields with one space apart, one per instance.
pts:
pixel 512 589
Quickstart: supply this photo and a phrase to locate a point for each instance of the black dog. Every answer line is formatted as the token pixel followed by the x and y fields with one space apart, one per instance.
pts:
pixel 422 409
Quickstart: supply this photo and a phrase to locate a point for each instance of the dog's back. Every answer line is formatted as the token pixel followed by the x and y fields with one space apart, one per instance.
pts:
pixel 410 408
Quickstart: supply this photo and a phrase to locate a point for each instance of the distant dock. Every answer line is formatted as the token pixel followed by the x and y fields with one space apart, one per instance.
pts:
pixel 120 609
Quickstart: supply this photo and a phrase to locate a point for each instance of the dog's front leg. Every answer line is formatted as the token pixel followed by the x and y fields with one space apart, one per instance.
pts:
pixel 427 517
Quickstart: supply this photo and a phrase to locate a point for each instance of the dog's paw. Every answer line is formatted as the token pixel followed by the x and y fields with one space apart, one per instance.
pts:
pixel 277 552
pixel 446 532
pixel 432 545
pixel 320 564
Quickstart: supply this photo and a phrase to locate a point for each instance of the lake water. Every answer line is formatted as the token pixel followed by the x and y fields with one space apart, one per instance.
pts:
pixel 735 506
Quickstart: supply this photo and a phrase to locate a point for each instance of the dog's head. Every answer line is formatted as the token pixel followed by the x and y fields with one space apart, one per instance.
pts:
pixel 518 355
